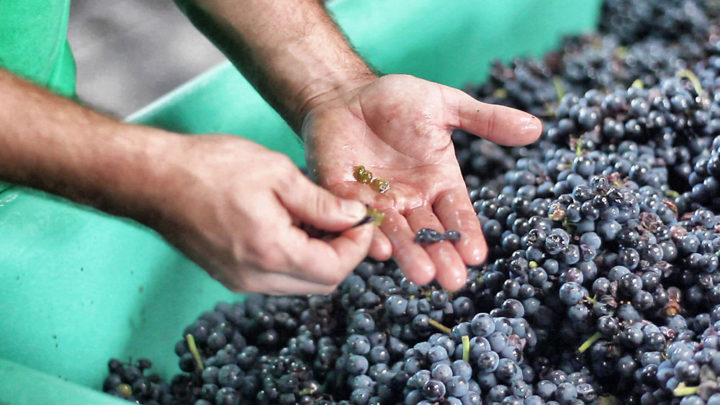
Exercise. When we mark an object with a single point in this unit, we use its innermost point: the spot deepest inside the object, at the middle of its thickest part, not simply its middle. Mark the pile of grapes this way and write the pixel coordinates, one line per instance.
(603, 279)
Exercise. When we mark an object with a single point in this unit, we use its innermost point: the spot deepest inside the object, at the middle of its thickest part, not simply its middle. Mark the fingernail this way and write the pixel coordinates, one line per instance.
(353, 209)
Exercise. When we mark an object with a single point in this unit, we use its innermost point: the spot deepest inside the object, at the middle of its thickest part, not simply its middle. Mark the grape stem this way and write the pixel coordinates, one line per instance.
(466, 348)
(500, 93)
(608, 400)
(559, 89)
(683, 390)
(638, 83)
(578, 148)
(590, 300)
(194, 350)
(591, 340)
(442, 328)
(688, 74)
(621, 52)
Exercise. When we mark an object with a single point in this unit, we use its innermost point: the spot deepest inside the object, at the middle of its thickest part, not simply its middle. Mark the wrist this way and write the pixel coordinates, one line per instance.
(137, 180)
(322, 90)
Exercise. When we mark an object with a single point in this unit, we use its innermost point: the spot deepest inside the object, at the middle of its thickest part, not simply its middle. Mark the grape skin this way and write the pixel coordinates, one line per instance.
(602, 238)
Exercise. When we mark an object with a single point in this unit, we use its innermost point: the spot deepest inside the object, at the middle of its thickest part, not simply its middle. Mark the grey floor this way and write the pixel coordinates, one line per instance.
(130, 52)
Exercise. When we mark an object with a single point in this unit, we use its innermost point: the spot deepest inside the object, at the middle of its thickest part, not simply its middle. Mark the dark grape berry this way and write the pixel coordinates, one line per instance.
(601, 282)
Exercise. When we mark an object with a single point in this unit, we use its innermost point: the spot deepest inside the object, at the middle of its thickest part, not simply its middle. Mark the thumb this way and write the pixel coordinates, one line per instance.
(496, 123)
(313, 205)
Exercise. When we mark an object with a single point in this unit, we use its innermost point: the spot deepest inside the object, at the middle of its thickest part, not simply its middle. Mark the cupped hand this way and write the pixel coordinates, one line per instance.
(398, 127)
(239, 211)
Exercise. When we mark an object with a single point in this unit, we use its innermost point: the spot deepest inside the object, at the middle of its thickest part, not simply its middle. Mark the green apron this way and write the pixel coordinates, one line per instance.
(33, 43)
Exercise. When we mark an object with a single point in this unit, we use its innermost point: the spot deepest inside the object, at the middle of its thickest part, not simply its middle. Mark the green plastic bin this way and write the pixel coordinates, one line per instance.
(78, 286)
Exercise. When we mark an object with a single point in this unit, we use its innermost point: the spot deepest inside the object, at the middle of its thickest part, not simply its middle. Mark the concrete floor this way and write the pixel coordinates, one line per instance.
(130, 52)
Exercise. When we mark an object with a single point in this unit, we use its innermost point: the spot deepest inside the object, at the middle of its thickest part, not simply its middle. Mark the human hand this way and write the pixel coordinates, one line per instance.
(236, 209)
(231, 205)
(399, 128)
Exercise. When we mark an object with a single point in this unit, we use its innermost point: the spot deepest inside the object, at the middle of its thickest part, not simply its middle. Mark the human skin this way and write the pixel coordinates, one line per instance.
(397, 126)
(231, 205)
(237, 208)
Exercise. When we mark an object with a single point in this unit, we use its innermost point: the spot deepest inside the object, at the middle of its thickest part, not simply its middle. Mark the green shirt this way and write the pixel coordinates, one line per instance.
(33, 43)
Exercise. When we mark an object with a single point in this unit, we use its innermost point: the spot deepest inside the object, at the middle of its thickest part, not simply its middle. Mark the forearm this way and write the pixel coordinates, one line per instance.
(290, 50)
(50, 143)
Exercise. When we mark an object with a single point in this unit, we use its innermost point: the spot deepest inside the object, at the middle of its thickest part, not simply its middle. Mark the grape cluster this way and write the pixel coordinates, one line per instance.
(609, 61)
(668, 19)
(129, 381)
(704, 179)
(602, 283)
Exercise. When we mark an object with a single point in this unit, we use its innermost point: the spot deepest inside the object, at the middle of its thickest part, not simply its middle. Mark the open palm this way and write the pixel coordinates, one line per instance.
(399, 128)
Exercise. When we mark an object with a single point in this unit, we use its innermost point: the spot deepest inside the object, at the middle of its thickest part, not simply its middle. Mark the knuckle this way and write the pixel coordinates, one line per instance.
(238, 253)
(240, 283)
(284, 163)
(326, 203)
(252, 284)
(491, 122)
(335, 278)
(328, 289)
(285, 169)
(269, 257)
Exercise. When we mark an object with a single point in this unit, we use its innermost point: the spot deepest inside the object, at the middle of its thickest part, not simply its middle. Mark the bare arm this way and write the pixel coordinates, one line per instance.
(397, 126)
(290, 50)
(237, 224)
(50, 143)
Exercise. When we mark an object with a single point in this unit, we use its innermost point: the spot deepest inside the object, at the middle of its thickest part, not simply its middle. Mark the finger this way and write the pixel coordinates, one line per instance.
(380, 247)
(352, 247)
(327, 262)
(257, 281)
(411, 257)
(362, 192)
(451, 272)
(455, 211)
(499, 124)
(313, 205)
